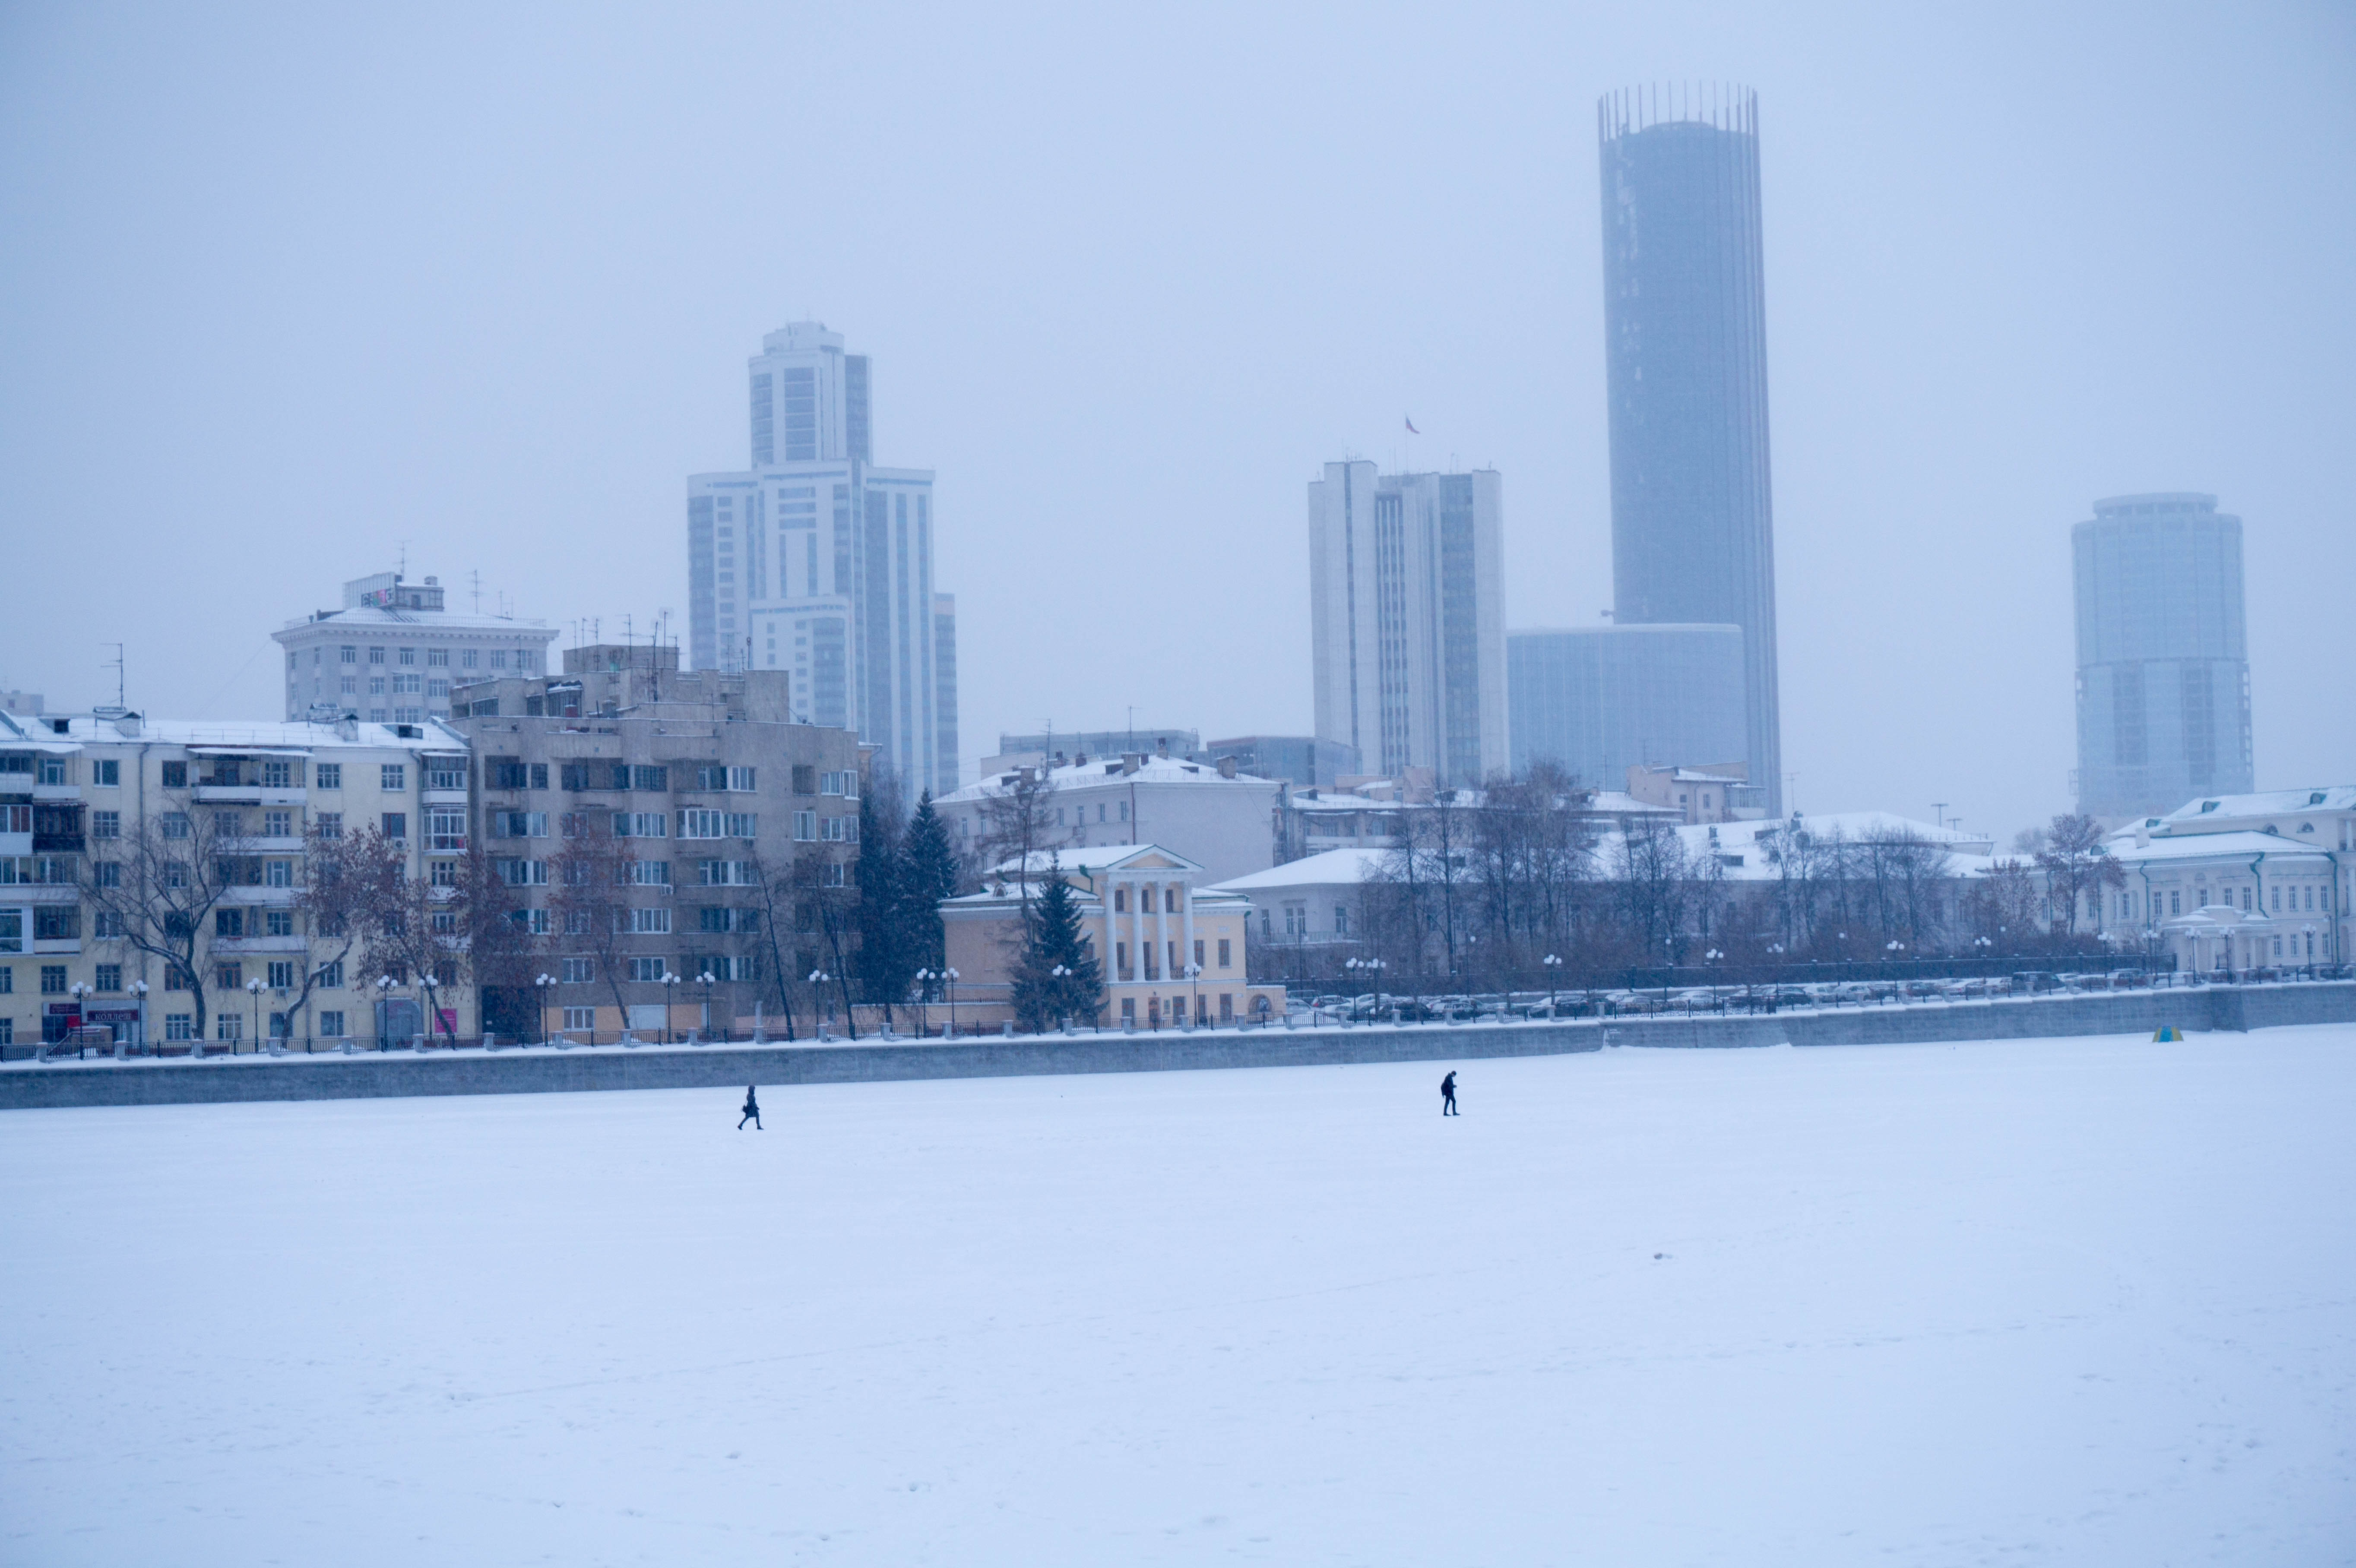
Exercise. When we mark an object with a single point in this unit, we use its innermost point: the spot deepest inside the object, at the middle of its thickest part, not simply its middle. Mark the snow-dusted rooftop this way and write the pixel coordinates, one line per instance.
(83, 729)
(2213, 846)
(1334, 867)
(2267, 803)
(1108, 770)
(424, 620)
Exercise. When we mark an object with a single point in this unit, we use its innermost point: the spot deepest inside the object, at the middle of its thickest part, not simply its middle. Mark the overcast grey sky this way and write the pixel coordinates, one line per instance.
(284, 288)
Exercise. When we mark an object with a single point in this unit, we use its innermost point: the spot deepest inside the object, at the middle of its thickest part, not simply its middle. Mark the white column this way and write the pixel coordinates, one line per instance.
(1136, 931)
(1162, 925)
(1186, 894)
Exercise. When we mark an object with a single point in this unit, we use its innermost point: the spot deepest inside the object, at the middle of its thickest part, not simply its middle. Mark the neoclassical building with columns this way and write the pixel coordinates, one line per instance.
(1171, 950)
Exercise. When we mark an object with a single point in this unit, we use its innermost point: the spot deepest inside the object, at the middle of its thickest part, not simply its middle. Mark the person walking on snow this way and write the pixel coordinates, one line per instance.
(1448, 1096)
(751, 1111)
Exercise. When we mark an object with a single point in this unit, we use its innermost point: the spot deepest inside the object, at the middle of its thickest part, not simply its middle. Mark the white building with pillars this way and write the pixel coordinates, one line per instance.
(1171, 949)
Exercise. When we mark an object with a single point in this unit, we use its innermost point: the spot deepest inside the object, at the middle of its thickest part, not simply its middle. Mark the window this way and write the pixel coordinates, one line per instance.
(646, 968)
(740, 780)
(437, 658)
(408, 684)
(329, 823)
(806, 826)
(645, 778)
(2175, 901)
(1124, 810)
(105, 924)
(644, 921)
(106, 774)
(805, 779)
(506, 772)
(53, 771)
(106, 825)
(641, 824)
(573, 824)
(278, 775)
(467, 658)
(278, 874)
(348, 653)
(229, 977)
(839, 829)
(376, 656)
(649, 873)
(741, 823)
(228, 1028)
(282, 973)
(523, 873)
(1225, 962)
(518, 825)
(180, 1026)
(442, 775)
(229, 824)
(392, 777)
(331, 1024)
(2277, 901)
(278, 923)
(580, 971)
(717, 919)
(409, 655)
(229, 923)
(577, 1017)
(107, 978)
(534, 921)
(702, 824)
(1198, 952)
(396, 824)
(53, 922)
(331, 978)
(176, 776)
(1341, 920)
(726, 874)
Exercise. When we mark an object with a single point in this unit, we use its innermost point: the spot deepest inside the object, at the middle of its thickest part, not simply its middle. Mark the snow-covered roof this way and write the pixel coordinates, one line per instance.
(1103, 770)
(2240, 846)
(244, 736)
(1097, 857)
(1850, 824)
(1334, 867)
(2267, 803)
(1619, 803)
(375, 616)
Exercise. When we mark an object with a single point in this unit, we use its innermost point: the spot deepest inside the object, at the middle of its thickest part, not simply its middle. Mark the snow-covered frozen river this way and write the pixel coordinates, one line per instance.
(2083, 1301)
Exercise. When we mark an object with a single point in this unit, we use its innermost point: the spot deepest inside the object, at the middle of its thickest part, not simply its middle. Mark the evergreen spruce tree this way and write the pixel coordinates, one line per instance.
(1042, 998)
(887, 964)
(930, 871)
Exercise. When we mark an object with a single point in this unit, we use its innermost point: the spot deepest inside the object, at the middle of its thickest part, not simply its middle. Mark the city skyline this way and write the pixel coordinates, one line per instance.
(503, 333)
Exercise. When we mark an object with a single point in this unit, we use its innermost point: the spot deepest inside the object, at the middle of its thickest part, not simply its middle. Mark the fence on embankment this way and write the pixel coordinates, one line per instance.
(543, 1070)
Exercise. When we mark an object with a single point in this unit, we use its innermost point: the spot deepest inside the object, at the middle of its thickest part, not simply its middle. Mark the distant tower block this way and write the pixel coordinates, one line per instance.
(1693, 538)
(2163, 666)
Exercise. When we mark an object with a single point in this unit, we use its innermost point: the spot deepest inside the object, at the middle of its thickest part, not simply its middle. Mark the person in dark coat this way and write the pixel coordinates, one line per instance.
(1448, 1096)
(751, 1111)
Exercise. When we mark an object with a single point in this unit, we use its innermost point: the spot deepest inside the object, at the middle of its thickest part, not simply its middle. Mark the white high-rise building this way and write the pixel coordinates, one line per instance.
(1407, 614)
(817, 562)
(392, 652)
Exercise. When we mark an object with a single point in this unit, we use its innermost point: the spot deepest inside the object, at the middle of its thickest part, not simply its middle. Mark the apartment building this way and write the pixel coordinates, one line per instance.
(393, 651)
(657, 825)
(88, 800)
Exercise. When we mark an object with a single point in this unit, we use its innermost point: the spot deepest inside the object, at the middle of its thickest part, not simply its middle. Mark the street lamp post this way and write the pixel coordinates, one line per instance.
(138, 989)
(1194, 978)
(79, 992)
(543, 985)
(1553, 974)
(429, 990)
(1373, 969)
(383, 995)
(1711, 958)
(253, 989)
(1060, 973)
(671, 990)
(706, 980)
(817, 979)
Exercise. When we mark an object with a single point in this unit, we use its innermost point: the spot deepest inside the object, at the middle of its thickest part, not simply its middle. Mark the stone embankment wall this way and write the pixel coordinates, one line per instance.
(541, 1070)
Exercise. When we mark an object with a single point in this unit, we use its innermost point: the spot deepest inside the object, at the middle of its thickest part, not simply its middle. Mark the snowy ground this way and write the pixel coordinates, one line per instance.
(2084, 1301)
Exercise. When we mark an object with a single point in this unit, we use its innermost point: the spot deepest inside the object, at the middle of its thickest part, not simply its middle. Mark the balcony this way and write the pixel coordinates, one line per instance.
(444, 797)
(208, 791)
(59, 844)
(279, 897)
(232, 946)
(258, 843)
(57, 792)
(445, 843)
(16, 844)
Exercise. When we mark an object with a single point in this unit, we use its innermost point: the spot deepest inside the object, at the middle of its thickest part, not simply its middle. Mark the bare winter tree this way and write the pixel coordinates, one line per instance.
(418, 932)
(160, 888)
(1018, 821)
(592, 873)
(779, 899)
(347, 879)
(1653, 877)
(2076, 865)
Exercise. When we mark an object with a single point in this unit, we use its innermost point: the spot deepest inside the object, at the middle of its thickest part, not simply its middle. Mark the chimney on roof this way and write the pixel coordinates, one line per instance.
(1162, 747)
(1130, 762)
(1226, 767)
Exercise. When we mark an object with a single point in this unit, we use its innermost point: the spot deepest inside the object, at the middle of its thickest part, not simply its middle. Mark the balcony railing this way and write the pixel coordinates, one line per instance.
(445, 843)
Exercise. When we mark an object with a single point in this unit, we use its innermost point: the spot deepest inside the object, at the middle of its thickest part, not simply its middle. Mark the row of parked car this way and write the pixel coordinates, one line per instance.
(1372, 1007)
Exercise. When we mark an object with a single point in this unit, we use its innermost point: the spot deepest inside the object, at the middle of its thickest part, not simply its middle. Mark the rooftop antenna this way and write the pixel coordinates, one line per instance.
(402, 569)
(117, 665)
(475, 577)
(1940, 806)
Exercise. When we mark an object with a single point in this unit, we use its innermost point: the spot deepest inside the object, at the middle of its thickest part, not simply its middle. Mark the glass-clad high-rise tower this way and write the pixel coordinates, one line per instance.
(2163, 669)
(1693, 535)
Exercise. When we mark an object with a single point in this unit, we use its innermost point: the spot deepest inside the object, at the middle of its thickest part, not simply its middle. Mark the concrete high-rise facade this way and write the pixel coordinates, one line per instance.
(1598, 701)
(1408, 618)
(818, 561)
(1685, 356)
(2163, 665)
(395, 649)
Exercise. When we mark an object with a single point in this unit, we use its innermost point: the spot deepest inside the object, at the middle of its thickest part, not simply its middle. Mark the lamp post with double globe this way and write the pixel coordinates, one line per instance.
(138, 990)
(671, 991)
(1553, 974)
(429, 991)
(544, 984)
(253, 989)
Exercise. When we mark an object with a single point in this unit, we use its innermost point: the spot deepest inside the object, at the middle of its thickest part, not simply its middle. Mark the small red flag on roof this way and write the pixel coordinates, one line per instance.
(1410, 426)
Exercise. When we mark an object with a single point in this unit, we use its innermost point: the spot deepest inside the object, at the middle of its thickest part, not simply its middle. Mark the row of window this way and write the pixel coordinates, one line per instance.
(436, 658)
(1154, 958)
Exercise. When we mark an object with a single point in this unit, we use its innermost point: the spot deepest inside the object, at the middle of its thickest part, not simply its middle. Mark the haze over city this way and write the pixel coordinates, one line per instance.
(296, 296)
